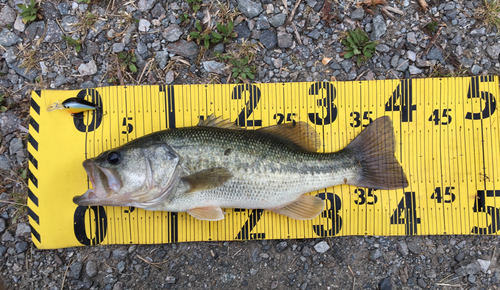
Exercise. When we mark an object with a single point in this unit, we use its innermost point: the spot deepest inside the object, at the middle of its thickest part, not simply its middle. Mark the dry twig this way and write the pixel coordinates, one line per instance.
(293, 11)
(297, 35)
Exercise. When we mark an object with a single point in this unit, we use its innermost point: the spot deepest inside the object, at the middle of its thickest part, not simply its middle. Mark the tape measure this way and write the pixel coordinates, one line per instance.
(447, 137)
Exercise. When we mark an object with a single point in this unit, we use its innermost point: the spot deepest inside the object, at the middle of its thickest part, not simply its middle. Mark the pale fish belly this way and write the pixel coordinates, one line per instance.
(264, 190)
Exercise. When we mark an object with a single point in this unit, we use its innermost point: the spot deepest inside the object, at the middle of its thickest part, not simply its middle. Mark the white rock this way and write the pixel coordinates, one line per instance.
(322, 247)
(74, 5)
(44, 68)
(484, 265)
(170, 77)
(144, 25)
(87, 69)
(414, 70)
(19, 24)
(411, 55)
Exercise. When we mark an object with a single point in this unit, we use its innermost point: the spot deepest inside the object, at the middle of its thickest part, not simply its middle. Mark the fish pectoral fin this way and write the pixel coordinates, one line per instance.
(300, 134)
(208, 213)
(207, 179)
(304, 208)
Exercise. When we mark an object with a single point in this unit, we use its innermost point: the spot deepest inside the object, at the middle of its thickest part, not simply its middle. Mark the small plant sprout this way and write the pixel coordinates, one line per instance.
(195, 4)
(184, 17)
(241, 70)
(358, 44)
(129, 60)
(73, 42)
(29, 11)
(201, 35)
(2, 107)
(490, 14)
(226, 33)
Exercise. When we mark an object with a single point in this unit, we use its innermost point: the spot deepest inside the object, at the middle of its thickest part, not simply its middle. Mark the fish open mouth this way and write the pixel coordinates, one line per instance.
(104, 184)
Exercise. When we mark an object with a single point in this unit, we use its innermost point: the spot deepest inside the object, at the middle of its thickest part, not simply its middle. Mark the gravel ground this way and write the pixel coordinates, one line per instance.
(305, 47)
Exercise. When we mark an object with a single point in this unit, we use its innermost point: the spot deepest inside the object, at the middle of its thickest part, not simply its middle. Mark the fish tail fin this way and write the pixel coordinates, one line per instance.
(374, 149)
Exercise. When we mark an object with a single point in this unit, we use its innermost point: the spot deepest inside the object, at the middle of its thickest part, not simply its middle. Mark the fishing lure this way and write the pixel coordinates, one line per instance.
(73, 105)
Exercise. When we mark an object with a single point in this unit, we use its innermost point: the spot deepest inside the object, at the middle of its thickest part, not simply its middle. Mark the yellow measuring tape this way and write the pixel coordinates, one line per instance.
(447, 137)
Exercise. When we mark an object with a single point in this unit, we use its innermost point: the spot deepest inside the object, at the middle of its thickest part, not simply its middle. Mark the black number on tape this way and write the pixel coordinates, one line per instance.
(332, 213)
(357, 119)
(406, 214)
(493, 212)
(447, 197)
(281, 117)
(250, 224)
(326, 102)
(253, 101)
(490, 102)
(402, 95)
(365, 197)
(128, 127)
(436, 117)
(96, 114)
(98, 225)
(169, 105)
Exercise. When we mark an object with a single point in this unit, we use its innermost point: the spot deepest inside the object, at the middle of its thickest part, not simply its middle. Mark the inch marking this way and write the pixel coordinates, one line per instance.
(446, 119)
(99, 224)
(403, 93)
(250, 224)
(253, 101)
(333, 202)
(490, 101)
(362, 199)
(406, 214)
(447, 193)
(357, 121)
(494, 213)
(326, 103)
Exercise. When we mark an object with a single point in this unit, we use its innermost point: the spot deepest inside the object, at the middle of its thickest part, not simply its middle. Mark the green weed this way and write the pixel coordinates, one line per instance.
(241, 70)
(73, 42)
(358, 44)
(128, 60)
(29, 11)
(2, 107)
(195, 4)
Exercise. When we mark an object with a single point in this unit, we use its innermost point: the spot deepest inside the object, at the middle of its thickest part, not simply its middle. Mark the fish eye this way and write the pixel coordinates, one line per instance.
(114, 157)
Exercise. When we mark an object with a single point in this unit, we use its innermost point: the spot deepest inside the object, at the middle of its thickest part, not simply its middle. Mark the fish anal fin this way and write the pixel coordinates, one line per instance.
(301, 134)
(304, 208)
(208, 213)
(207, 179)
(219, 122)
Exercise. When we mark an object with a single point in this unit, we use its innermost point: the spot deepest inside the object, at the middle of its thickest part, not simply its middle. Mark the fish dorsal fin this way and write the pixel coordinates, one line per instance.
(298, 133)
(207, 179)
(208, 213)
(304, 208)
(212, 121)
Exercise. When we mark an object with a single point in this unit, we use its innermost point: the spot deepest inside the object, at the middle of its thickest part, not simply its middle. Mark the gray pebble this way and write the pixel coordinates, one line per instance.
(170, 280)
(346, 65)
(379, 27)
(435, 54)
(91, 268)
(53, 33)
(214, 67)
(314, 34)
(306, 251)
(280, 247)
(118, 286)
(7, 16)
(478, 32)
(414, 70)
(285, 40)
(385, 284)
(158, 10)
(75, 270)
(8, 38)
(321, 247)
(183, 48)
(383, 47)
(415, 248)
(2, 250)
(412, 38)
(456, 40)
(431, 274)
(161, 58)
(249, 8)
(118, 47)
(121, 266)
(87, 69)
(467, 268)
(476, 69)
(395, 61)
(21, 247)
(120, 253)
(172, 33)
(460, 257)
(169, 78)
(403, 65)
(255, 256)
(145, 5)
(23, 230)
(63, 8)
(2, 225)
(262, 23)
(421, 283)
(375, 254)
(4, 165)
(15, 145)
(358, 14)
(402, 248)
(109, 279)
(268, 39)
(219, 48)
(7, 237)
(493, 51)
(277, 20)
(242, 31)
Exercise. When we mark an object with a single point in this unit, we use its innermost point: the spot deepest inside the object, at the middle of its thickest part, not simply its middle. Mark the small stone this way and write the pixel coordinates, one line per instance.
(121, 266)
(274, 284)
(385, 284)
(383, 47)
(2, 226)
(379, 27)
(421, 283)
(91, 268)
(280, 247)
(144, 25)
(278, 63)
(375, 254)
(493, 51)
(460, 257)
(411, 55)
(8, 38)
(169, 78)
(403, 65)
(268, 39)
(183, 48)
(253, 271)
(161, 57)
(285, 40)
(262, 23)
(109, 279)
(170, 280)
(255, 256)
(483, 264)
(23, 230)
(219, 48)
(431, 274)
(145, 5)
(21, 247)
(172, 33)
(87, 69)
(19, 24)
(118, 47)
(75, 270)
(467, 268)
(7, 237)
(358, 14)
(54, 33)
(9, 122)
(63, 8)
(412, 38)
(395, 60)
(142, 49)
(346, 65)
(435, 54)
(120, 253)
(314, 19)
(15, 145)
(214, 67)
(44, 68)
(415, 248)
(314, 34)
(118, 286)
(321, 247)
(414, 70)
(4, 165)
(306, 251)
(402, 246)
(158, 10)
(478, 32)
(249, 8)
(476, 69)
(7, 16)
(456, 40)
(242, 31)
(277, 20)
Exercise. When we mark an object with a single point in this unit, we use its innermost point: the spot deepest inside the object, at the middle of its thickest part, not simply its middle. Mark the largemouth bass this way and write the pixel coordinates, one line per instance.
(218, 164)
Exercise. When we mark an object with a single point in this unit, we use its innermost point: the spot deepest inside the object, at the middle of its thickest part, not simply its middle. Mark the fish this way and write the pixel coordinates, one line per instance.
(73, 105)
(217, 164)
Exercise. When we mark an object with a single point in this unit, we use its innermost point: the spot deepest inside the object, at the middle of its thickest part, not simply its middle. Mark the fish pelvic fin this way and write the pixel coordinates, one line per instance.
(304, 208)
(374, 149)
(207, 179)
(300, 134)
(218, 122)
(208, 213)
